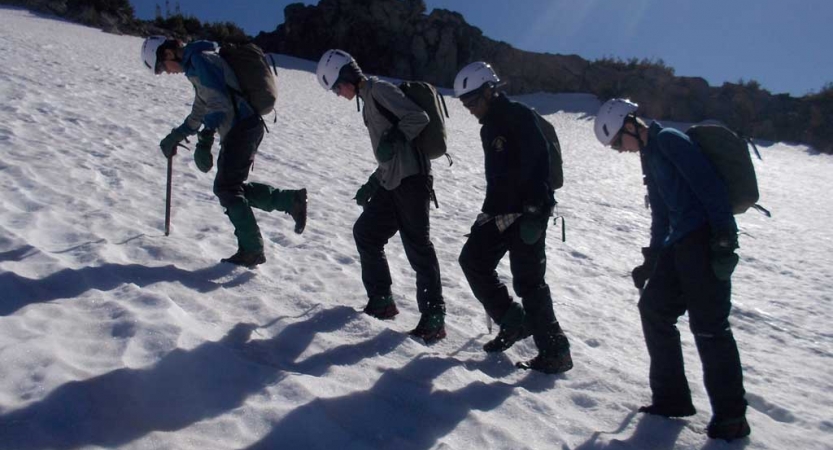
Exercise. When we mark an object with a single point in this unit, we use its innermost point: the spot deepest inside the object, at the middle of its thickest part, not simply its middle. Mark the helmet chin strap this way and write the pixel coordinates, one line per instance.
(357, 85)
(639, 142)
(635, 135)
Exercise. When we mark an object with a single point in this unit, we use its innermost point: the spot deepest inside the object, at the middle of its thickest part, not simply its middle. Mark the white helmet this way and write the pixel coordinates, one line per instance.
(149, 48)
(471, 77)
(611, 117)
(329, 66)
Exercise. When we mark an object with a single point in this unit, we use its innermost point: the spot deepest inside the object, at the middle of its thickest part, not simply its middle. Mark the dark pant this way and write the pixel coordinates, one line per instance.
(406, 210)
(237, 155)
(683, 280)
(481, 254)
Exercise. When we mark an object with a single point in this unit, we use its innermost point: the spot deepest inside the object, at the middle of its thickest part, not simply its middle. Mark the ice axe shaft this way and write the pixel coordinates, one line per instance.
(168, 190)
(168, 198)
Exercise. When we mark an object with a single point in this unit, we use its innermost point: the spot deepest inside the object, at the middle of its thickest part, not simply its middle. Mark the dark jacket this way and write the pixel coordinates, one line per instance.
(517, 158)
(684, 189)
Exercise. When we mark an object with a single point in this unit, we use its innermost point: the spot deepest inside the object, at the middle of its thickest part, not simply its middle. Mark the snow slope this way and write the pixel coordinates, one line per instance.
(115, 336)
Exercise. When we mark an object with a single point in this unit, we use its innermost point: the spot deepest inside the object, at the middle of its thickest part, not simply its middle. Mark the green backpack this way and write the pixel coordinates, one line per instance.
(556, 170)
(431, 141)
(254, 75)
(729, 153)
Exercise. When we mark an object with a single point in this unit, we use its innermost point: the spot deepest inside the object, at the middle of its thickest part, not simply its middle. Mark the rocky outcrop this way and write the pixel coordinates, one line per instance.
(397, 38)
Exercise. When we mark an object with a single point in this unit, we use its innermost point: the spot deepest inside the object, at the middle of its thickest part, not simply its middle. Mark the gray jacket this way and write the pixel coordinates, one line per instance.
(406, 160)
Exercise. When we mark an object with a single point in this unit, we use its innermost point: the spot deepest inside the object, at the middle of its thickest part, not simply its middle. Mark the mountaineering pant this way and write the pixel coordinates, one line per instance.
(406, 210)
(482, 252)
(683, 280)
(237, 154)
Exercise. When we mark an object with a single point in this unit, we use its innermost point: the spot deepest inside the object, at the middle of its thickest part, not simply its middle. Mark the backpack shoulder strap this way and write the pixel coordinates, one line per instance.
(391, 117)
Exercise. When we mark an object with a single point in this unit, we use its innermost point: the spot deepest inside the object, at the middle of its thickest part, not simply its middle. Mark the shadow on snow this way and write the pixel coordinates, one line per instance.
(19, 291)
(655, 433)
(402, 410)
(183, 388)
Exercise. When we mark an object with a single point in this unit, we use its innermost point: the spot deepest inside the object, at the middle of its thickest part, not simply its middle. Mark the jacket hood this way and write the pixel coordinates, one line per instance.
(197, 47)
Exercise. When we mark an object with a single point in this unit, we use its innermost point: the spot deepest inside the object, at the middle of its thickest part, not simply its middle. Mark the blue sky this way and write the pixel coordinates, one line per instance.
(784, 45)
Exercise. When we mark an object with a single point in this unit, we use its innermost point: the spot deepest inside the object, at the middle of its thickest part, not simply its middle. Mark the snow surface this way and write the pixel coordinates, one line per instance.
(115, 336)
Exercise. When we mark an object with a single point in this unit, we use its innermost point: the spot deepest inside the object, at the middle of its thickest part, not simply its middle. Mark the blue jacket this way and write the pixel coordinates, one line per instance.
(517, 159)
(684, 189)
(211, 77)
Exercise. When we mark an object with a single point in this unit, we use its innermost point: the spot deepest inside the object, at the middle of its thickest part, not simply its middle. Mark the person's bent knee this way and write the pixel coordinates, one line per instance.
(717, 330)
(647, 307)
(534, 292)
(227, 197)
(465, 259)
(360, 231)
(228, 201)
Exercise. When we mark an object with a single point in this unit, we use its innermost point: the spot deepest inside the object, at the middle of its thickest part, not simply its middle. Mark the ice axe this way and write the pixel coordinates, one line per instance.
(168, 196)
(168, 190)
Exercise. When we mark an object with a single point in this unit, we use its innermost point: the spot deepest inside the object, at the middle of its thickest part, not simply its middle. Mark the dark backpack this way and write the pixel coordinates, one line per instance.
(254, 75)
(431, 141)
(729, 153)
(556, 171)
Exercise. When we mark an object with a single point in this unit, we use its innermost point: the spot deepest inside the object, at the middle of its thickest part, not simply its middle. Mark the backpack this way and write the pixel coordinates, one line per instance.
(256, 80)
(729, 154)
(556, 169)
(431, 140)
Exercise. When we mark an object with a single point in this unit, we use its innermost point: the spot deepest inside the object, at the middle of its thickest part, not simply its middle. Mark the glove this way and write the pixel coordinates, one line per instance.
(202, 154)
(640, 274)
(169, 142)
(723, 258)
(367, 190)
(388, 144)
(533, 223)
